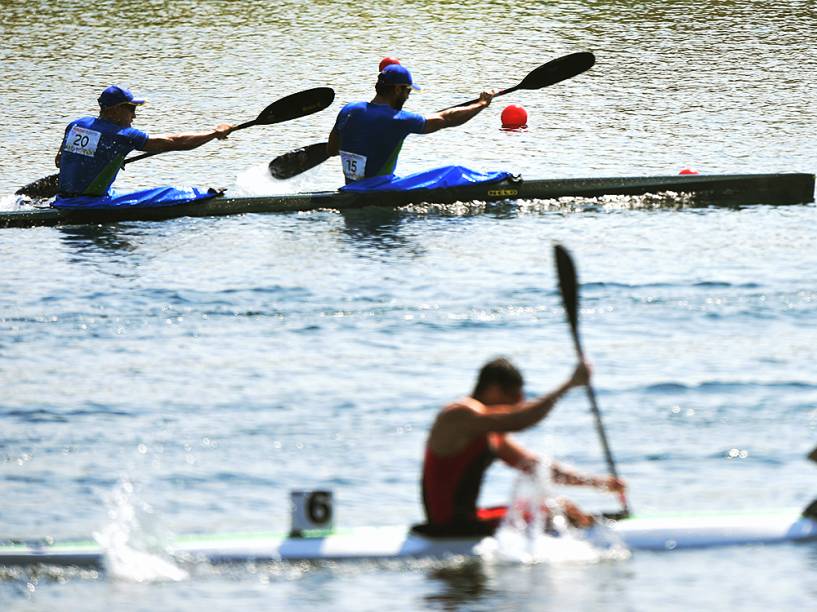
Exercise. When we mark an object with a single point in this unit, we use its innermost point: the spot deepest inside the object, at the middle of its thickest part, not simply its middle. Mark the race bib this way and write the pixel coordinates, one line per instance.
(354, 165)
(82, 141)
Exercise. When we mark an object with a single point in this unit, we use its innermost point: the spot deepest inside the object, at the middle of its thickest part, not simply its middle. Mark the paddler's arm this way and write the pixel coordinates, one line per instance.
(187, 140)
(333, 144)
(561, 474)
(58, 157)
(512, 453)
(472, 422)
(453, 117)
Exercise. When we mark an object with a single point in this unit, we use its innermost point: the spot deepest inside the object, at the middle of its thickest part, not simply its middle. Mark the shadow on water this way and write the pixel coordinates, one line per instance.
(459, 586)
(101, 246)
(87, 239)
(377, 227)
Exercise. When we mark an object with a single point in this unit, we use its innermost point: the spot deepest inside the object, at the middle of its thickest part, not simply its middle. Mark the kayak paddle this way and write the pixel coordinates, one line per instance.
(568, 285)
(287, 108)
(300, 160)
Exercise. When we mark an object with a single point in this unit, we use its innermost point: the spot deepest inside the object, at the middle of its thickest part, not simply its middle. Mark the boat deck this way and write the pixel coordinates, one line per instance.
(701, 190)
(661, 532)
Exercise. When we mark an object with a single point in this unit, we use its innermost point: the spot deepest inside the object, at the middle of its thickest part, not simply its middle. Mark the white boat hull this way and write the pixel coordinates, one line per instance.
(667, 532)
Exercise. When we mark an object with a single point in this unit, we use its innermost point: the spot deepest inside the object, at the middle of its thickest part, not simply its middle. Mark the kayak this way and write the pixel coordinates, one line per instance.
(660, 532)
(699, 190)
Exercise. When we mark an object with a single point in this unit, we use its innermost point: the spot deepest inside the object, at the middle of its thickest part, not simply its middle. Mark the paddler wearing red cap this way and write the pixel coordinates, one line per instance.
(368, 136)
(93, 148)
(469, 434)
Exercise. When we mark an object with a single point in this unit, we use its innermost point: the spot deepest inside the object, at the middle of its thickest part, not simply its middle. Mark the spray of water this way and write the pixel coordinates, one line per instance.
(132, 545)
(536, 529)
(10, 202)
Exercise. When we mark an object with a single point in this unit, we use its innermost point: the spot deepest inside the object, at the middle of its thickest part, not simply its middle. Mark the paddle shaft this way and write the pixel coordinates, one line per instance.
(308, 157)
(246, 124)
(290, 107)
(300, 160)
(568, 285)
(50, 183)
(554, 71)
(594, 407)
(475, 100)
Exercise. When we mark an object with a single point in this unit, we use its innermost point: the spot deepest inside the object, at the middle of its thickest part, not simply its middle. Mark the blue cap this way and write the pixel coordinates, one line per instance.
(395, 74)
(114, 95)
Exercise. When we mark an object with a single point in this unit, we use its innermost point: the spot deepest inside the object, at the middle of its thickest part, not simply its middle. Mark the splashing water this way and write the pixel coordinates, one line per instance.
(10, 202)
(133, 550)
(257, 181)
(536, 530)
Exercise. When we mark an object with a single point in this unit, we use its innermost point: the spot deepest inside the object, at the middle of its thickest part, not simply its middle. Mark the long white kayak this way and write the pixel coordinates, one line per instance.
(655, 532)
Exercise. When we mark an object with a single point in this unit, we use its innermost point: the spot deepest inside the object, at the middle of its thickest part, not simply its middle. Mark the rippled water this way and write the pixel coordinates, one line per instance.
(219, 363)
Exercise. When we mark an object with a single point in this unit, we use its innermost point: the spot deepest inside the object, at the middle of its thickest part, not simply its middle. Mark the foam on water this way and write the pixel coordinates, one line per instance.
(527, 536)
(257, 181)
(132, 546)
(10, 202)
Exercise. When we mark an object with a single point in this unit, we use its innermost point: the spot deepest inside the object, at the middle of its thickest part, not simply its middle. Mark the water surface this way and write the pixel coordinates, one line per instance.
(217, 364)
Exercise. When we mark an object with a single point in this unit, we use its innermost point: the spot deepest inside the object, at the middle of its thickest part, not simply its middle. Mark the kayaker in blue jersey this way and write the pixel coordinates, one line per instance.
(93, 148)
(468, 435)
(368, 136)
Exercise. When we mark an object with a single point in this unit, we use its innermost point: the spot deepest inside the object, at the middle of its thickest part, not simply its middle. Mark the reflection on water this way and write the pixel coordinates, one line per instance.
(377, 227)
(85, 239)
(458, 585)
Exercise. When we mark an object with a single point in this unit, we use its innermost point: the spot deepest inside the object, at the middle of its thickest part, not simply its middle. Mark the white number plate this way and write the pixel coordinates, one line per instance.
(354, 165)
(82, 141)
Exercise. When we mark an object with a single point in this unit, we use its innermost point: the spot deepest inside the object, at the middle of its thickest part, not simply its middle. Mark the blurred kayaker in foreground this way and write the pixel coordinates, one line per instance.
(469, 434)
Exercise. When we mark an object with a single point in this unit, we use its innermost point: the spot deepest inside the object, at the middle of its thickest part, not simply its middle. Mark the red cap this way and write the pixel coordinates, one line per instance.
(387, 61)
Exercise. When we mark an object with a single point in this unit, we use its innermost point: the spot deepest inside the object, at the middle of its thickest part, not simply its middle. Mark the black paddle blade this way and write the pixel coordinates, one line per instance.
(43, 188)
(560, 69)
(300, 160)
(568, 285)
(296, 105)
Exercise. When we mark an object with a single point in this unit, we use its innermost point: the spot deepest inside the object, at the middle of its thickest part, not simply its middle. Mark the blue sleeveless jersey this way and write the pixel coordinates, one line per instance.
(92, 153)
(371, 136)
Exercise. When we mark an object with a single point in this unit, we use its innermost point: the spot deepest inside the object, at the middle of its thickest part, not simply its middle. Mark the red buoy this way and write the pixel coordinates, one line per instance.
(387, 61)
(514, 117)
(688, 171)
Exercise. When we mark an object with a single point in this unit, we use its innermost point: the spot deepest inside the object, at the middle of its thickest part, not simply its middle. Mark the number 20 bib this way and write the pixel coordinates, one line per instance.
(82, 141)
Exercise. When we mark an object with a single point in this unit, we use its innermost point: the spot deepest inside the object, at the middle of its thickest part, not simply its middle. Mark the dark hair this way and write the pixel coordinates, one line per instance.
(499, 371)
(383, 89)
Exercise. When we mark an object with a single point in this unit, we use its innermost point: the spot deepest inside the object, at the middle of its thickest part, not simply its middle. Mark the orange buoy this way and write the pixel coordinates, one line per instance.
(514, 117)
(387, 61)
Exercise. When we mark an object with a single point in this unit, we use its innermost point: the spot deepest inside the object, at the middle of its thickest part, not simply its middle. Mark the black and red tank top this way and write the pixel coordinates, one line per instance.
(451, 484)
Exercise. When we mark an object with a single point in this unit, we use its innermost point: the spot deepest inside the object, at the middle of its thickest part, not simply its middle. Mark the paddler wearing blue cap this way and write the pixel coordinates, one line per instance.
(368, 136)
(93, 148)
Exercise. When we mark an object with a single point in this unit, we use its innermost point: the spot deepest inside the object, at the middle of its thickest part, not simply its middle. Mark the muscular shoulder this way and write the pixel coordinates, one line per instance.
(451, 430)
(353, 106)
(461, 409)
(415, 121)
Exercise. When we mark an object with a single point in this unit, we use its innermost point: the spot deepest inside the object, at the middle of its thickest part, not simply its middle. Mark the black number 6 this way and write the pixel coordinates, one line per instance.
(319, 507)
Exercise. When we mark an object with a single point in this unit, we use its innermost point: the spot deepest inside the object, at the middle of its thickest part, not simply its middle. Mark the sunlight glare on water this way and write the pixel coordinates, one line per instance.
(222, 362)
